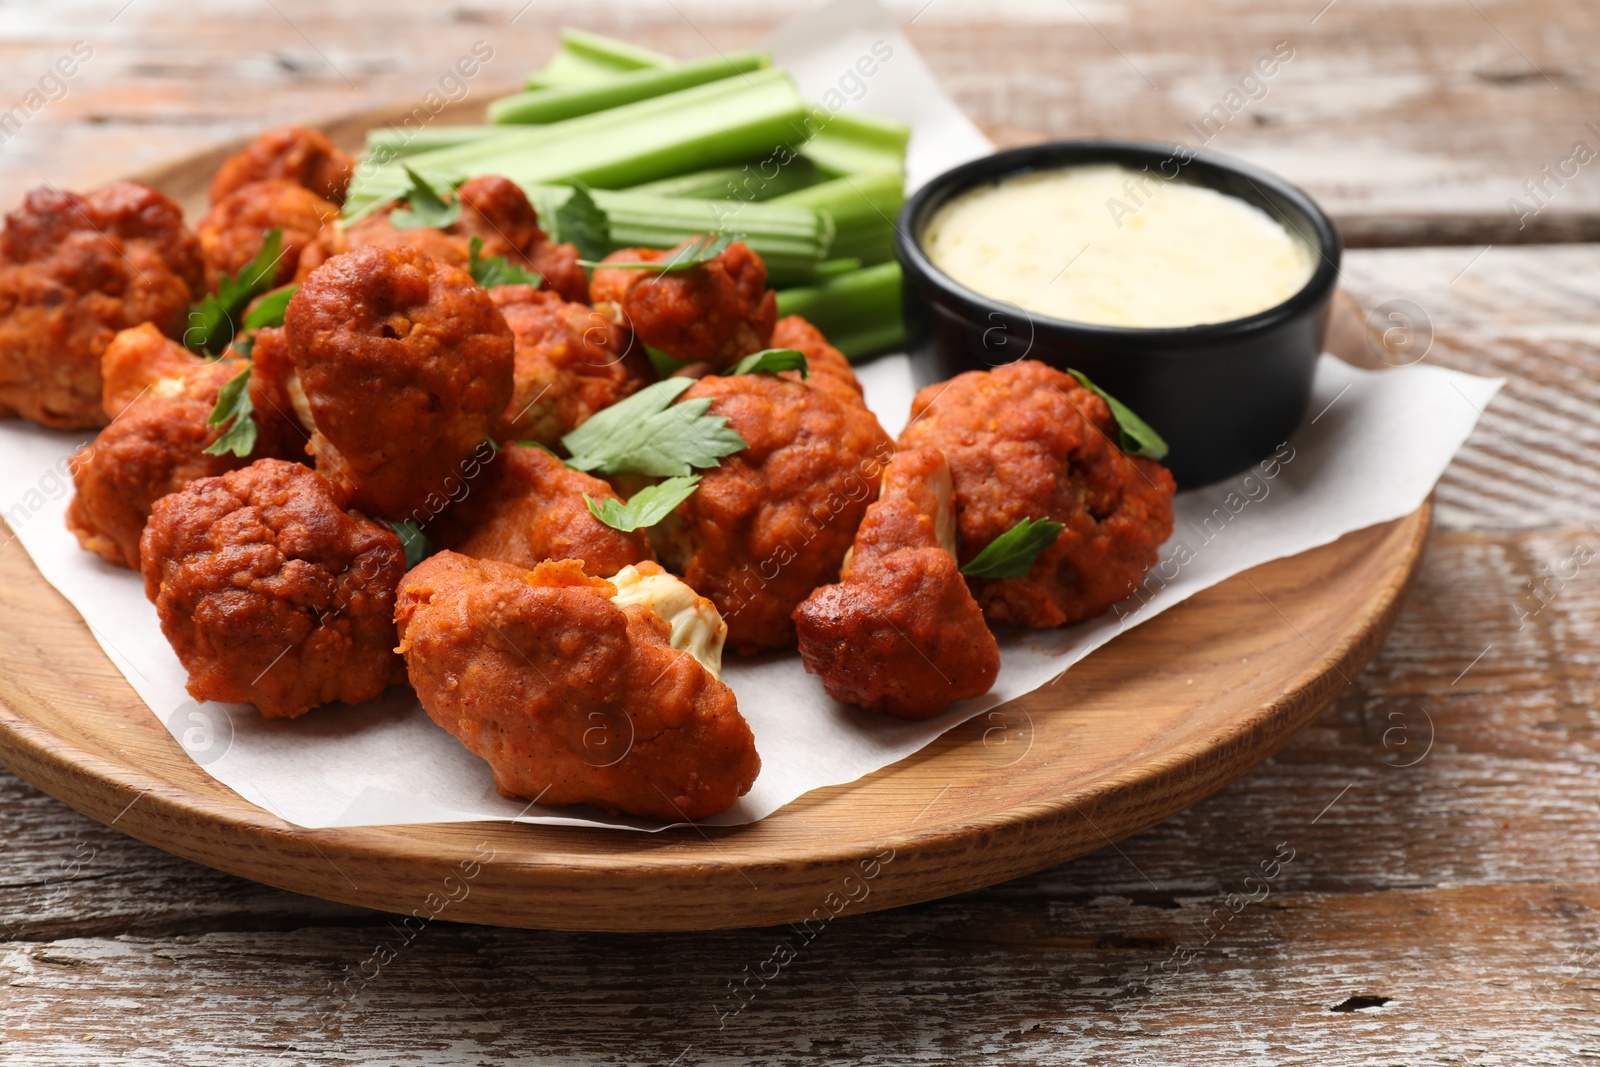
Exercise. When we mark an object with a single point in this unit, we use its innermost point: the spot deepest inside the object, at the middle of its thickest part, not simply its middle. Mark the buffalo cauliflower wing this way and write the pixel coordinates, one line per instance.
(571, 362)
(497, 212)
(294, 153)
(402, 367)
(900, 633)
(528, 508)
(716, 312)
(774, 521)
(1026, 441)
(570, 696)
(270, 592)
(235, 228)
(158, 398)
(74, 270)
(827, 367)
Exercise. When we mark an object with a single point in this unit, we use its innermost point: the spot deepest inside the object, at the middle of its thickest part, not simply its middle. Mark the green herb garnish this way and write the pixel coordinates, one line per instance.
(268, 312)
(234, 407)
(1011, 554)
(1135, 437)
(703, 249)
(425, 206)
(490, 271)
(213, 321)
(413, 540)
(646, 507)
(580, 221)
(772, 361)
(650, 435)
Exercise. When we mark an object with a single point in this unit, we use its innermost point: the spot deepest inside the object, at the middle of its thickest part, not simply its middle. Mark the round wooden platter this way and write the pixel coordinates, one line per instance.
(1159, 719)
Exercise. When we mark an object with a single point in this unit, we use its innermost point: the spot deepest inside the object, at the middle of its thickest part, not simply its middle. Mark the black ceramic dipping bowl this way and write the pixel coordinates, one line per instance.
(1224, 395)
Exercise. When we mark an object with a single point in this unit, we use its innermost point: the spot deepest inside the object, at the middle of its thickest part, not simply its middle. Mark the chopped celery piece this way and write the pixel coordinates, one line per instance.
(834, 268)
(569, 101)
(747, 182)
(853, 143)
(585, 58)
(709, 125)
(858, 313)
(863, 207)
(392, 142)
(791, 239)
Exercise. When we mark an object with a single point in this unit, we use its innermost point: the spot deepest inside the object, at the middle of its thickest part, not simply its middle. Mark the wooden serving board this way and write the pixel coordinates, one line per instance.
(1159, 719)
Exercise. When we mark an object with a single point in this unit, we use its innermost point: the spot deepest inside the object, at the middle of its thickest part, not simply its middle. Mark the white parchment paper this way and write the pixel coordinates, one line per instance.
(1371, 450)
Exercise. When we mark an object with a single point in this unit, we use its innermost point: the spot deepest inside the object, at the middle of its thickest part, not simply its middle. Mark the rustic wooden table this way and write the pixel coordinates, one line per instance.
(1442, 905)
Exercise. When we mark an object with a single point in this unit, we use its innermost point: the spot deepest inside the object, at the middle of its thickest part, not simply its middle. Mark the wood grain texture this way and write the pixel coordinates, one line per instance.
(1413, 123)
(1465, 882)
(986, 978)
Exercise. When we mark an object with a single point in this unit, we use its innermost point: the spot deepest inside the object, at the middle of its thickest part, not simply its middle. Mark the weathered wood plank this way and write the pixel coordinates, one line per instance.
(1414, 123)
(1527, 314)
(1468, 974)
(1461, 886)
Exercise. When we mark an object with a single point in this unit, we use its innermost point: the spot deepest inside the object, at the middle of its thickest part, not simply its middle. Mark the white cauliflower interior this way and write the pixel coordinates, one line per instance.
(697, 626)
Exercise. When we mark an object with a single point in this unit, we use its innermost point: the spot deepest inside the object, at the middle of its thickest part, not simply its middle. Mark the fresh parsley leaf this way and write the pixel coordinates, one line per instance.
(1011, 554)
(233, 406)
(413, 540)
(704, 249)
(773, 360)
(580, 221)
(1134, 435)
(490, 271)
(646, 507)
(269, 310)
(213, 321)
(425, 206)
(650, 435)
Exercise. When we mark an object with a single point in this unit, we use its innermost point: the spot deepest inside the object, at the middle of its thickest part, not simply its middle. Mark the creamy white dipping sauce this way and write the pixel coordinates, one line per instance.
(1106, 245)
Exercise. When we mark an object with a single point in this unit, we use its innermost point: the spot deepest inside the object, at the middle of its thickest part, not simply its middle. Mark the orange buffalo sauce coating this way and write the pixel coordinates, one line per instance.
(900, 633)
(1026, 441)
(569, 698)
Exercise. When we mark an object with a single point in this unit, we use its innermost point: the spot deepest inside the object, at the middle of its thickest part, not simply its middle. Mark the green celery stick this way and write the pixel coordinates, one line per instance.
(853, 143)
(755, 180)
(863, 206)
(586, 58)
(858, 313)
(556, 103)
(709, 125)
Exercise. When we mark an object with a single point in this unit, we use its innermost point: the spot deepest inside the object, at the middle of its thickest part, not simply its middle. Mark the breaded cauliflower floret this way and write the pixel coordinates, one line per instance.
(404, 366)
(74, 270)
(233, 231)
(900, 633)
(271, 593)
(527, 507)
(774, 521)
(1026, 441)
(717, 312)
(571, 362)
(828, 368)
(498, 213)
(158, 398)
(569, 697)
(305, 157)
